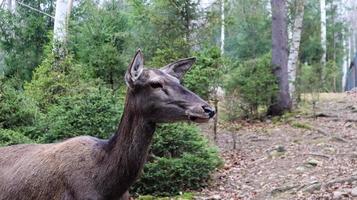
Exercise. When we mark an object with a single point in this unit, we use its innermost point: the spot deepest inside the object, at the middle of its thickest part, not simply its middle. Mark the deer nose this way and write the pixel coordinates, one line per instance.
(209, 111)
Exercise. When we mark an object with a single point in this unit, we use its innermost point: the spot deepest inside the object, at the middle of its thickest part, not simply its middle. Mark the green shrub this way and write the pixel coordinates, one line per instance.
(50, 82)
(182, 161)
(71, 102)
(202, 76)
(254, 84)
(99, 43)
(10, 137)
(92, 111)
(205, 73)
(173, 140)
(16, 110)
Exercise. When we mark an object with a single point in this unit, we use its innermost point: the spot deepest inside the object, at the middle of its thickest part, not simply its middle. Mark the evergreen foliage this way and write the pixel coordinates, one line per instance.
(254, 85)
(16, 109)
(181, 160)
(100, 43)
(72, 103)
(23, 38)
(10, 137)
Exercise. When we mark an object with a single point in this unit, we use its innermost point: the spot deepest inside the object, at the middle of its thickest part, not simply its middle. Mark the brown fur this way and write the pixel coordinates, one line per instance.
(89, 168)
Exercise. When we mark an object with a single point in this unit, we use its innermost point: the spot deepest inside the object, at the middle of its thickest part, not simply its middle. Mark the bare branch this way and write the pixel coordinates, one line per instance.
(34, 9)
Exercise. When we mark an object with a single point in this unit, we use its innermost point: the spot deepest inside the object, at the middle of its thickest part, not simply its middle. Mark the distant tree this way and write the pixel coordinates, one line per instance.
(165, 29)
(23, 36)
(102, 44)
(280, 57)
(323, 31)
(247, 30)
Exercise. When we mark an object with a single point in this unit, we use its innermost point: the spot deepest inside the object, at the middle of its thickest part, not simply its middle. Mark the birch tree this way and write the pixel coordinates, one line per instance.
(323, 31)
(222, 27)
(349, 15)
(280, 57)
(345, 64)
(294, 47)
(60, 31)
(11, 5)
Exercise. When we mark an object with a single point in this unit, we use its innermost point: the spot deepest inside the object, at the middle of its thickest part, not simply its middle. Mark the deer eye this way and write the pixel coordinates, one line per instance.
(156, 85)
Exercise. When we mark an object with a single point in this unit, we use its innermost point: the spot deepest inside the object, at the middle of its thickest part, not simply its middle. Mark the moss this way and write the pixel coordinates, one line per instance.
(301, 125)
(184, 196)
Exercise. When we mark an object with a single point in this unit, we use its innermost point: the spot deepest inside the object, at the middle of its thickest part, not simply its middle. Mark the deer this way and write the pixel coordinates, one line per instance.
(88, 168)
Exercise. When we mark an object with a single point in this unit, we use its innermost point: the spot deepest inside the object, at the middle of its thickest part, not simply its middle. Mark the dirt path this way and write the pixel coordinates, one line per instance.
(298, 157)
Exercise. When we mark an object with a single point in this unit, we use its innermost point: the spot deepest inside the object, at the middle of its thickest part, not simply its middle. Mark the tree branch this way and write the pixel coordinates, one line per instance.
(34, 9)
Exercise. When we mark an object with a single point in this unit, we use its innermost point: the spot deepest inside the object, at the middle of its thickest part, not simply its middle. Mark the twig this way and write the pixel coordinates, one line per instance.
(350, 120)
(283, 189)
(317, 155)
(341, 180)
(310, 187)
(339, 139)
(321, 131)
(34, 9)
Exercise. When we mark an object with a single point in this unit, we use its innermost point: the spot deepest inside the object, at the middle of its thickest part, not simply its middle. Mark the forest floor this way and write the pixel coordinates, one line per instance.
(296, 156)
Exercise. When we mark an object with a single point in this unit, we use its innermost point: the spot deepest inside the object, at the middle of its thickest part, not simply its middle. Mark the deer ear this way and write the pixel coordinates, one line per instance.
(179, 68)
(135, 68)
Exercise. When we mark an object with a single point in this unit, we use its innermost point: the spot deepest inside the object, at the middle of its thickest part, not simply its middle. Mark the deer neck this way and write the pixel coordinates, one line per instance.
(128, 148)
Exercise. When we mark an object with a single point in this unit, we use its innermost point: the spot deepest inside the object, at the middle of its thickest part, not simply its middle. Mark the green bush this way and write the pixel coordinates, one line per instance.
(206, 72)
(50, 82)
(254, 84)
(16, 110)
(173, 140)
(309, 79)
(92, 111)
(202, 76)
(10, 137)
(71, 102)
(182, 160)
(99, 43)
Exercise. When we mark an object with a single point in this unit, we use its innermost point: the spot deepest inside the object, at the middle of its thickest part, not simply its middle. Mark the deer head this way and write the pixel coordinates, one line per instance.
(159, 96)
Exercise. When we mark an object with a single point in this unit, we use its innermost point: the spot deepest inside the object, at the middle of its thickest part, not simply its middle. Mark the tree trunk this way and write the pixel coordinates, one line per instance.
(215, 122)
(333, 19)
(222, 27)
(280, 57)
(353, 44)
(10, 5)
(349, 48)
(345, 63)
(294, 48)
(323, 33)
(60, 31)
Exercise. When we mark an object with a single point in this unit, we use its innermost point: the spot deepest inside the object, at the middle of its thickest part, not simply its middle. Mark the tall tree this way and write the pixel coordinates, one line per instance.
(101, 43)
(280, 57)
(248, 26)
(323, 32)
(176, 27)
(60, 30)
(294, 47)
(222, 27)
(345, 64)
(11, 5)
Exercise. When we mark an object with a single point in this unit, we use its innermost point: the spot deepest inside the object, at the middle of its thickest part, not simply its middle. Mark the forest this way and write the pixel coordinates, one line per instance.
(281, 76)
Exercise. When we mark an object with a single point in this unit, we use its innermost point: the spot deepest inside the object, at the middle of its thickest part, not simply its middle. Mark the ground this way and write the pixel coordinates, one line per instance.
(297, 156)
